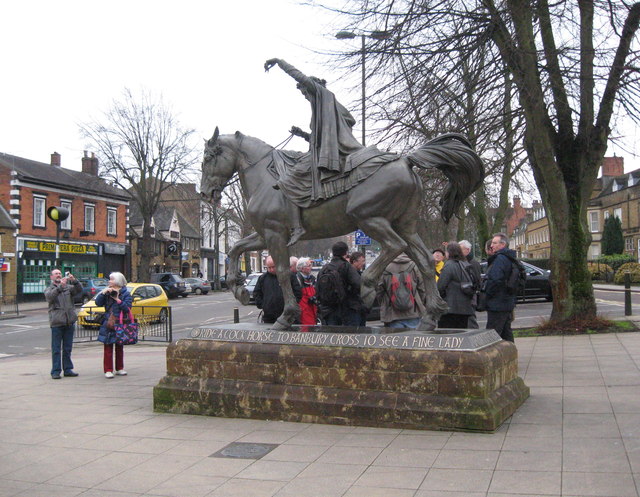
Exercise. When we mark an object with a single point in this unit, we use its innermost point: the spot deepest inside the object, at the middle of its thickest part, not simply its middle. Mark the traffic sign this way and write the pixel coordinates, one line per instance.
(362, 239)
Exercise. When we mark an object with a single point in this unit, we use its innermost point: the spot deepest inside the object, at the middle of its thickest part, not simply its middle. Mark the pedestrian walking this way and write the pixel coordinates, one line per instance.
(62, 318)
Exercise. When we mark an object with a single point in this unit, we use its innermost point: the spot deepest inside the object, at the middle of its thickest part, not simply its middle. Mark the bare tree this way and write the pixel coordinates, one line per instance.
(143, 149)
(573, 64)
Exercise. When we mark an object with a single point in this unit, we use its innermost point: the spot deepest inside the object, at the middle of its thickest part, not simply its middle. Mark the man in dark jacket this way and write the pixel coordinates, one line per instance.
(62, 317)
(500, 302)
(268, 294)
(347, 313)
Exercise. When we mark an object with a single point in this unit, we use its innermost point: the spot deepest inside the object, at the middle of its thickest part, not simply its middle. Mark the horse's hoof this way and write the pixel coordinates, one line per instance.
(280, 325)
(426, 324)
(242, 295)
(368, 295)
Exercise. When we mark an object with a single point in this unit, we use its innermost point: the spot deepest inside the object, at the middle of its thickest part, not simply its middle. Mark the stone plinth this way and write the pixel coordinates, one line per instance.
(449, 380)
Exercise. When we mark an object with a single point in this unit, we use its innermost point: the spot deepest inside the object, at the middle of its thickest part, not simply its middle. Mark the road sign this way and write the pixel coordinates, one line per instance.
(362, 239)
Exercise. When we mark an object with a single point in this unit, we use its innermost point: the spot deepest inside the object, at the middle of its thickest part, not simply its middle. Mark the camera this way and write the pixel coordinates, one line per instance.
(313, 300)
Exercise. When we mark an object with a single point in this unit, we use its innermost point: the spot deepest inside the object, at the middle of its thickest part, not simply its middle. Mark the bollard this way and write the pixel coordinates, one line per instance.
(236, 315)
(627, 294)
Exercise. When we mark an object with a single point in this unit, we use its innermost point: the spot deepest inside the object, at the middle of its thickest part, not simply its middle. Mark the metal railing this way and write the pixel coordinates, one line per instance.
(155, 324)
(9, 306)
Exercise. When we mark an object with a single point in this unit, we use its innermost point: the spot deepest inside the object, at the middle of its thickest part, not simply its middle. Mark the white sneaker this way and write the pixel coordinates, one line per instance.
(121, 372)
(108, 374)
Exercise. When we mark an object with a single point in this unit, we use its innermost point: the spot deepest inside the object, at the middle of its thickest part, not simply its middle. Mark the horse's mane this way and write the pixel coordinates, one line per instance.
(239, 136)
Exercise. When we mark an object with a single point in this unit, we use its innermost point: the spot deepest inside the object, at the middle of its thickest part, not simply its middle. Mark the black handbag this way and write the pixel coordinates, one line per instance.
(466, 283)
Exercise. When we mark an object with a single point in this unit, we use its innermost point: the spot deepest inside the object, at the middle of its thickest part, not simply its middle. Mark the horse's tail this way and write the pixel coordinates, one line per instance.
(452, 154)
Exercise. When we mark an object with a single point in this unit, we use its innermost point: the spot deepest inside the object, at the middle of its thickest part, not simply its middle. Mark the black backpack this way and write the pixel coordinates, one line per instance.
(401, 288)
(330, 289)
(517, 279)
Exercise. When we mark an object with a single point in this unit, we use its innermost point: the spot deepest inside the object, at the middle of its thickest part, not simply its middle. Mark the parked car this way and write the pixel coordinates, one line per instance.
(250, 285)
(173, 284)
(150, 304)
(91, 287)
(198, 285)
(538, 285)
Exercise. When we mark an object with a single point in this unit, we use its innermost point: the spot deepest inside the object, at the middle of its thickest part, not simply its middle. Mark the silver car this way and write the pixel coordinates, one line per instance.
(250, 285)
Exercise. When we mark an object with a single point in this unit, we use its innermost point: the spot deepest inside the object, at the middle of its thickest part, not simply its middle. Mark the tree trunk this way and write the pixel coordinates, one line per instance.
(570, 279)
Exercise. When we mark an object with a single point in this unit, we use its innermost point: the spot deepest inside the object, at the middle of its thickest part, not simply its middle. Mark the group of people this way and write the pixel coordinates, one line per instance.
(333, 298)
(115, 298)
(462, 284)
(349, 311)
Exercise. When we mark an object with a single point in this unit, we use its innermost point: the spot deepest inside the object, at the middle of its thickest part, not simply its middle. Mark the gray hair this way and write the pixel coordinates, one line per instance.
(293, 260)
(303, 262)
(503, 238)
(465, 243)
(119, 279)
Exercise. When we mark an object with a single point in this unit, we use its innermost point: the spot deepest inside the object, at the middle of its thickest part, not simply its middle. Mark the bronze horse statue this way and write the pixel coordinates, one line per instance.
(384, 205)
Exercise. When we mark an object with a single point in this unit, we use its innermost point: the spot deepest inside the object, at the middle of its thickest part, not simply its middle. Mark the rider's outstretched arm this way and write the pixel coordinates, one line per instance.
(291, 71)
(298, 132)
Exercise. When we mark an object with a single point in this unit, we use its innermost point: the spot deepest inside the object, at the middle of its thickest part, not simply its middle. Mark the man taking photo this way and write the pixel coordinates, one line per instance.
(62, 317)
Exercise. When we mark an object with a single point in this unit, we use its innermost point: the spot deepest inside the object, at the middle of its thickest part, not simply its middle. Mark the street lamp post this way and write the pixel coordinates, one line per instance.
(376, 35)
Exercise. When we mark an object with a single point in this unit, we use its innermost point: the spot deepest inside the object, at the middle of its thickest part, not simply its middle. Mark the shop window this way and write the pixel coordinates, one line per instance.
(35, 275)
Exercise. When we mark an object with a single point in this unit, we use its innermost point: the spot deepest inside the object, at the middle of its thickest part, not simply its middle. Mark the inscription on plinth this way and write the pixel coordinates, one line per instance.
(390, 338)
(448, 380)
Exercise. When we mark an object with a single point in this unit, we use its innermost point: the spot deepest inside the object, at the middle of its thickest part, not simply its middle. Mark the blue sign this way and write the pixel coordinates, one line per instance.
(362, 239)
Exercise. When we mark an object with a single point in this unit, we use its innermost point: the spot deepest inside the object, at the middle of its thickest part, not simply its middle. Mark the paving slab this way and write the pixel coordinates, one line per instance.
(578, 435)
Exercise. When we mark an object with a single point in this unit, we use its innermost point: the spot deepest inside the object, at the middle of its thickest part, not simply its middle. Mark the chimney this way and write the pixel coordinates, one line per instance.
(613, 166)
(90, 164)
(55, 159)
(516, 202)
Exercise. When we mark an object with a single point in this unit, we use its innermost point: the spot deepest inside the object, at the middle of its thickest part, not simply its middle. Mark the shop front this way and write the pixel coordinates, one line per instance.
(37, 258)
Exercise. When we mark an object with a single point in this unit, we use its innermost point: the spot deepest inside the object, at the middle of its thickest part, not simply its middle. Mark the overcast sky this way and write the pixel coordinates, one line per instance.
(63, 62)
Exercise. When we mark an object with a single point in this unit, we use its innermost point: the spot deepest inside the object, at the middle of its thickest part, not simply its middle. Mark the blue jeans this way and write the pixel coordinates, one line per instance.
(61, 342)
(342, 317)
(405, 323)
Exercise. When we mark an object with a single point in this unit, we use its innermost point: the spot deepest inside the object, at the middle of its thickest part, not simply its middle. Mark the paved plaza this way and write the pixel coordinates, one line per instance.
(577, 435)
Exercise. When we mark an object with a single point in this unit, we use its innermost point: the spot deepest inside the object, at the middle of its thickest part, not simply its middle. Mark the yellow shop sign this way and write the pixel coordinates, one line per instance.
(65, 248)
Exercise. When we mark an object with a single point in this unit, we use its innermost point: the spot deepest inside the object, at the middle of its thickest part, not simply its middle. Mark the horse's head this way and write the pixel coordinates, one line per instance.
(218, 166)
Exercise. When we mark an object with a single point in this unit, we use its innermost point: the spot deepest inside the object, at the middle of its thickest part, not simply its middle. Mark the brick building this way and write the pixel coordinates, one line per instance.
(616, 194)
(93, 239)
(8, 266)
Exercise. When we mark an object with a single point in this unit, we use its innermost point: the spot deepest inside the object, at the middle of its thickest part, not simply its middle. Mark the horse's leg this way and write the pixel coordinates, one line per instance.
(435, 305)
(392, 245)
(277, 245)
(252, 242)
